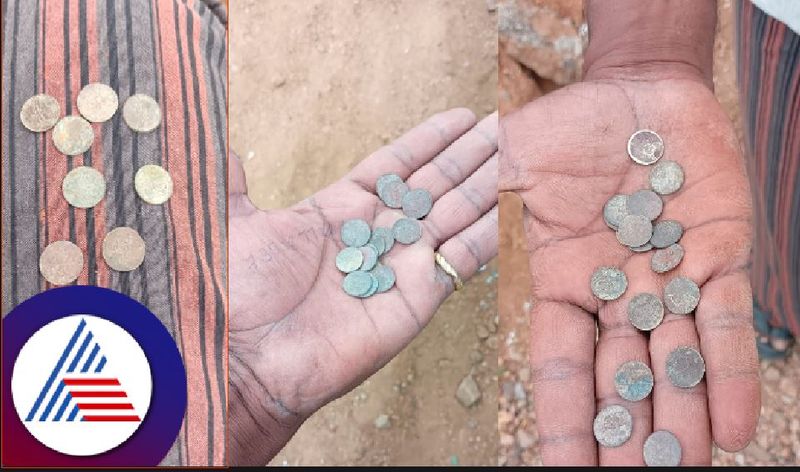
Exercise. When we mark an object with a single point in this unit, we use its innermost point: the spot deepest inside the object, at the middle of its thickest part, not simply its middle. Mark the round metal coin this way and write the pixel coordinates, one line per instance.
(40, 112)
(666, 233)
(608, 283)
(385, 276)
(383, 181)
(417, 203)
(615, 209)
(634, 381)
(370, 254)
(643, 248)
(349, 259)
(681, 295)
(153, 184)
(355, 233)
(358, 283)
(61, 262)
(645, 311)
(97, 102)
(662, 448)
(141, 113)
(83, 187)
(123, 249)
(373, 289)
(646, 203)
(407, 231)
(612, 426)
(666, 177)
(635, 231)
(645, 147)
(382, 239)
(73, 135)
(392, 194)
(664, 260)
(685, 367)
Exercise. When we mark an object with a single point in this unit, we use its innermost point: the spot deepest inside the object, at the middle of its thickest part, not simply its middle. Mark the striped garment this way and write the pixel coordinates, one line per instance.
(769, 82)
(174, 51)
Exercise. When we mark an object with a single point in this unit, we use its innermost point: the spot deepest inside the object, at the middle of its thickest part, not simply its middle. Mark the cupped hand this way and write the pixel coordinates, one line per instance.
(565, 155)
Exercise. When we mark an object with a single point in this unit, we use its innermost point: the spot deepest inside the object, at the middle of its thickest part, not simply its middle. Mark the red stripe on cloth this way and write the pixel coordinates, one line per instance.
(91, 382)
(98, 394)
(105, 406)
(111, 418)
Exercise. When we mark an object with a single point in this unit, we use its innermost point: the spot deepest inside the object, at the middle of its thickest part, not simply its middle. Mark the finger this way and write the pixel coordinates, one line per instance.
(415, 148)
(562, 362)
(237, 182)
(470, 249)
(453, 165)
(724, 320)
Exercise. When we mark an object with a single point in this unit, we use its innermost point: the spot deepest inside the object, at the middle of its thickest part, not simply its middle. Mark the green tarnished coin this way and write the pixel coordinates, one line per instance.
(123, 249)
(646, 203)
(141, 113)
(681, 296)
(685, 367)
(635, 231)
(666, 233)
(358, 283)
(153, 184)
(373, 289)
(634, 381)
(608, 283)
(645, 311)
(61, 262)
(83, 187)
(355, 233)
(383, 181)
(40, 113)
(97, 102)
(392, 194)
(385, 276)
(613, 426)
(407, 231)
(417, 203)
(370, 254)
(615, 209)
(664, 260)
(349, 259)
(383, 239)
(73, 135)
(645, 147)
(663, 449)
(666, 177)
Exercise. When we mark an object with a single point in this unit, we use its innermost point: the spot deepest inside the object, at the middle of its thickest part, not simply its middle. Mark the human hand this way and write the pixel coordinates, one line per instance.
(297, 341)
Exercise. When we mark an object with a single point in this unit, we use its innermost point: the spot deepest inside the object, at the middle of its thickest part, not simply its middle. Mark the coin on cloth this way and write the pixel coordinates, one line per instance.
(97, 102)
(83, 187)
(141, 113)
(61, 262)
(73, 135)
(153, 184)
(40, 112)
(123, 249)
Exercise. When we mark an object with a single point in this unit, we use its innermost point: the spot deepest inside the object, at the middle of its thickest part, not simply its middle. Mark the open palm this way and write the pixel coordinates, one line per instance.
(565, 155)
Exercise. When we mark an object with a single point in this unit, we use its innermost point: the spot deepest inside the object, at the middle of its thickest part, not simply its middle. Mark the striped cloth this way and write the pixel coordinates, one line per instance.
(174, 51)
(769, 82)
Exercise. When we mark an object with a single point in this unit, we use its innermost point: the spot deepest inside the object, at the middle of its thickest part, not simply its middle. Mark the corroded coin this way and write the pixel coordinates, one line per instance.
(664, 260)
(666, 233)
(681, 295)
(417, 203)
(612, 426)
(382, 239)
(97, 102)
(666, 177)
(407, 231)
(645, 147)
(358, 283)
(383, 181)
(141, 113)
(370, 254)
(646, 203)
(355, 233)
(373, 288)
(40, 112)
(153, 184)
(642, 248)
(608, 283)
(615, 209)
(61, 262)
(662, 448)
(685, 367)
(73, 135)
(83, 187)
(349, 259)
(385, 276)
(645, 311)
(392, 194)
(635, 230)
(123, 249)
(634, 381)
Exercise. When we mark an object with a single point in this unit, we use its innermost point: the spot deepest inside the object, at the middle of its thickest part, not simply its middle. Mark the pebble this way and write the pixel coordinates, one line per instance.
(468, 392)
(382, 421)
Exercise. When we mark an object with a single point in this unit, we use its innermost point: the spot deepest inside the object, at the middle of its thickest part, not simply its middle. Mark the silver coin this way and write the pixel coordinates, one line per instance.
(645, 147)
(370, 254)
(643, 248)
(608, 283)
(383, 239)
(383, 181)
(635, 231)
(97, 102)
(407, 231)
(355, 233)
(662, 448)
(613, 426)
(685, 367)
(417, 203)
(666, 177)
(681, 296)
(392, 194)
(634, 381)
(83, 187)
(73, 135)
(123, 249)
(664, 260)
(40, 112)
(615, 209)
(61, 262)
(646, 203)
(141, 113)
(153, 184)
(385, 276)
(358, 283)
(645, 311)
(349, 259)
(666, 233)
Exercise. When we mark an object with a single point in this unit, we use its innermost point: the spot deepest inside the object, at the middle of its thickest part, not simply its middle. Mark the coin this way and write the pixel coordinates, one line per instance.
(385, 276)
(73, 135)
(97, 102)
(635, 231)
(645, 147)
(40, 112)
(349, 259)
(370, 254)
(83, 187)
(355, 233)
(634, 381)
(681, 295)
(383, 181)
(373, 288)
(358, 283)
(612, 426)
(417, 203)
(153, 184)
(664, 260)
(666, 177)
(392, 194)
(646, 203)
(407, 231)
(608, 283)
(123, 249)
(645, 311)
(662, 448)
(643, 248)
(685, 367)
(61, 262)
(382, 239)
(615, 209)
(666, 233)
(141, 113)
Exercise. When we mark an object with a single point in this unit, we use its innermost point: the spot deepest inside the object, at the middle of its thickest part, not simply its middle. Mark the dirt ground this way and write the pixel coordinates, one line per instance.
(315, 87)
